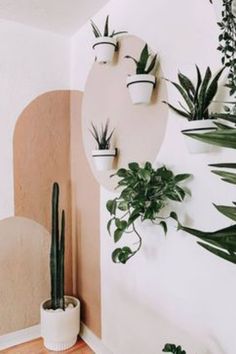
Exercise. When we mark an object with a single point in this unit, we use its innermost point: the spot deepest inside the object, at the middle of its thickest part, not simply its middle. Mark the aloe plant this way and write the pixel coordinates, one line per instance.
(146, 62)
(103, 138)
(106, 32)
(172, 348)
(197, 97)
(57, 253)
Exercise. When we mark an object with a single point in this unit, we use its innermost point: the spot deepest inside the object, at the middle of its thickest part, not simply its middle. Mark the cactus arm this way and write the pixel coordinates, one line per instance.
(54, 248)
(61, 263)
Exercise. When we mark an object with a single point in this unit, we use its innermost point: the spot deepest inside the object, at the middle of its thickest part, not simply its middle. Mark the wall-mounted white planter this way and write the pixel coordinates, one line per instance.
(104, 48)
(197, 126)
(103, 159)
(59, 328)
(141, 88)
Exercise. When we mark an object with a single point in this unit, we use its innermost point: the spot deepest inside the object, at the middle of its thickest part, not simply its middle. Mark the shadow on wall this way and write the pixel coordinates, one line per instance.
(24, 272)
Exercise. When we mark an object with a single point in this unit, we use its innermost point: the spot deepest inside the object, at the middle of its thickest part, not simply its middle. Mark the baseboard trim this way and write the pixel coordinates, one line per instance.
(93, 341)
(18, 337)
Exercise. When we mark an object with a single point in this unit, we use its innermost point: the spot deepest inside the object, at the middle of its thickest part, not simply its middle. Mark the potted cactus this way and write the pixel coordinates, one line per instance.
(142, 83)
(60, 315)
(105, 43)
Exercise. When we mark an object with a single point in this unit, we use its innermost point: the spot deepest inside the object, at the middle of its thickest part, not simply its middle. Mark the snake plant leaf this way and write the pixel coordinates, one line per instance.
(228, 211)
(226, 176)
(222, 126)
(212, 89)
(106, 28)
(132, 58)
(224, 165)
(152, 64)
(226, 116)
(96, 30)
(142, 60)
(178, 111)
(182, 177)
(223, 137)
(184, 95)
(199, 81)
(187, 84)
(202, 92)
(220, 253)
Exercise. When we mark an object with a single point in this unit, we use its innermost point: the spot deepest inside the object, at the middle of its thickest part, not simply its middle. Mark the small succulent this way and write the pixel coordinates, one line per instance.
(98, 33)
(145, 58)
(103, 137)
(172, 348)
(197, 97)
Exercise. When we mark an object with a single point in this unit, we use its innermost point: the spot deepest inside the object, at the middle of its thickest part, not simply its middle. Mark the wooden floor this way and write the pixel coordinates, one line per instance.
(36, 347)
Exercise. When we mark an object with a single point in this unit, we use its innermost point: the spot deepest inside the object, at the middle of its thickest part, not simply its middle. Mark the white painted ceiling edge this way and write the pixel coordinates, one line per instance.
(64, 17)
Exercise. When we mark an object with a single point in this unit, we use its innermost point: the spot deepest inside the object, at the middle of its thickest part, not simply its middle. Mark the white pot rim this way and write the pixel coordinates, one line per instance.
(104, 40)
(73, 300)
(139, 78)
(104, 153)
(200, 125)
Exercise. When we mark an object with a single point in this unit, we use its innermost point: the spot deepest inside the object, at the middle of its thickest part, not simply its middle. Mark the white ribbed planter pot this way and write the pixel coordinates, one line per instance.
(198, 126)
(60, 329)
(103, 159)
(104, 48)
(140, 88)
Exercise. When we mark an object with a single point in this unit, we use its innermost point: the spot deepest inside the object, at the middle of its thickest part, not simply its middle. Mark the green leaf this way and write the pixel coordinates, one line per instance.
(152, 65)
(182, 177)
(115, 255)
(106, 28)
(228, 211)
(226, 176)
(121, 172)
(212, 89)
(96, 31)
(111, 206)
(142, 60)
(109, 226)
(202, 93)
(224, 165)
(118, 234)
(187, 84)
(179, 111)
(185, 96)
(225, 138)
(123, 205)
(133, 166)
(164, 226)
(121, 224)
(222, 254)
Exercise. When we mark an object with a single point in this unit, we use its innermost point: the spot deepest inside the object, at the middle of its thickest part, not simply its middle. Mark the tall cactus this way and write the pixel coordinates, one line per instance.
(57, 253)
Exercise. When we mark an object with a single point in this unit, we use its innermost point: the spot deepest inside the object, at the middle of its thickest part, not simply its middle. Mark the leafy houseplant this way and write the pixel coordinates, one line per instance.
(105, 43)
(145, 192)
(197, 99)
(172, 348)
(103, 155)
(60, 315)
(141, 84)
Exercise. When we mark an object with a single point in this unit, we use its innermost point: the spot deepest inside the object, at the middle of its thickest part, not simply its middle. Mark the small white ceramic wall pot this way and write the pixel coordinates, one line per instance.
(59, 328)
(104, 48)
(140, 88)
(104, 159)
(200, 127)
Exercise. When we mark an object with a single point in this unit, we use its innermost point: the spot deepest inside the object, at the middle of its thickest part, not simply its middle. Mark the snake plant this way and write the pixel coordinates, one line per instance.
(57, 253)
(197, 98)
(146, 62)
(103, 137)
(106, 33)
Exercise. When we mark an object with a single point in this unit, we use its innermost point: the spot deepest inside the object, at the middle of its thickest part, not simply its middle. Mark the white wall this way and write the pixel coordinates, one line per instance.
(32, 62)
(173, 291)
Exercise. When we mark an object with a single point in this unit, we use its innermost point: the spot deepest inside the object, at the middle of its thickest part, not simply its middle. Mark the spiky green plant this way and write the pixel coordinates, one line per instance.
(106, 33)
(57, 253)
(197, 97)
(172, 348)
(103, 138)
(145, 58)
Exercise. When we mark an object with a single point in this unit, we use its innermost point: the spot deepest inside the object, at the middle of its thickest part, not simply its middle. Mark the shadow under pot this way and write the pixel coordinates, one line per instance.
(200, 127)
(104, 48)
(141, 87)
(60, 328)
(104, 159)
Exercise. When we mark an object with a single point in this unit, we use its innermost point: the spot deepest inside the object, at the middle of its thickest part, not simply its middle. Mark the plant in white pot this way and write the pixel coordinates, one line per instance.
(103, 156)
(142, 83)
(197, 99)
(105, 43)
(60, 315)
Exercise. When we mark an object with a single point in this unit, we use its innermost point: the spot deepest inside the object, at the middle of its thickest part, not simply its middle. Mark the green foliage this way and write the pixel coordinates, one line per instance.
(222, 137)
(145, 192)
(197, 97)
(146, 62)
(57, 253)
(172, 348)
(227, 43)
(103, 138)
(97, 33)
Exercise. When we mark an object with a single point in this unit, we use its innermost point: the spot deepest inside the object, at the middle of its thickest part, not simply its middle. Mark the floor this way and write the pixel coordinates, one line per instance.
(36, 347)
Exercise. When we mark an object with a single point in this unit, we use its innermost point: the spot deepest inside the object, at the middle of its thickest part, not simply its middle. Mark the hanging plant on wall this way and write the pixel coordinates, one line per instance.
(145, 192)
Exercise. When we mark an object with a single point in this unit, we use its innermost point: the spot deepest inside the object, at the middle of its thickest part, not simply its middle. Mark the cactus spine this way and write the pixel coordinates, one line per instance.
(57, 253)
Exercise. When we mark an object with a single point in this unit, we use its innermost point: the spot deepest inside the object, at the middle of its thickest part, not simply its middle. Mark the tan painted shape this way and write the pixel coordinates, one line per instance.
(24, 272)
(42, 156)
(85, 221)
(139, 129)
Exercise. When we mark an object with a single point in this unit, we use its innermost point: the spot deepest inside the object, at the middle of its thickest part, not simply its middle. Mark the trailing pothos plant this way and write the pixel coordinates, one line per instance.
(221, 242)
(146, 61)
(145, 191)
(172, 348)
(197, 98)
(106, 32)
